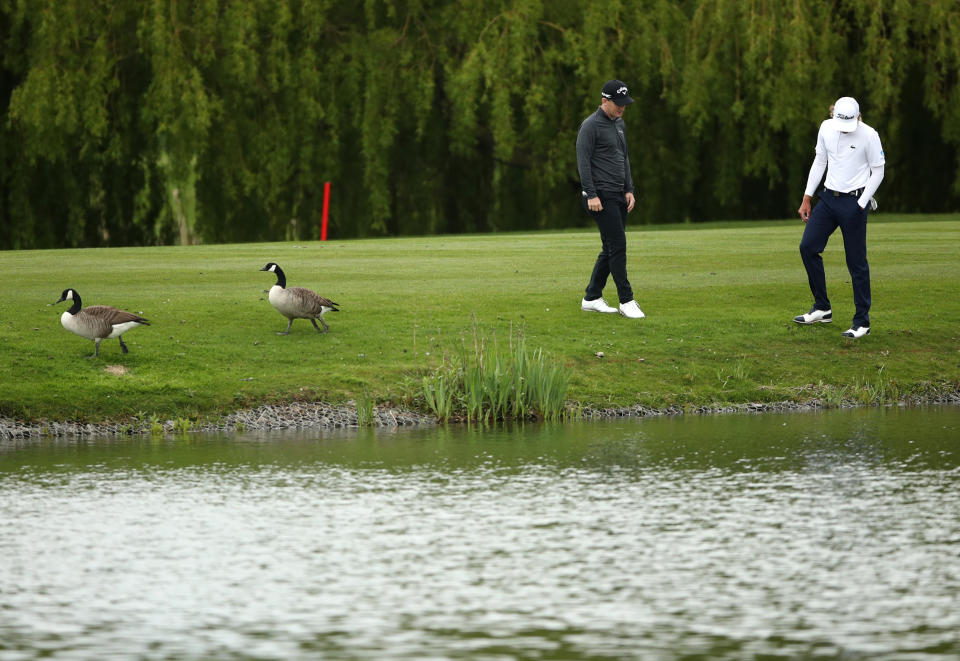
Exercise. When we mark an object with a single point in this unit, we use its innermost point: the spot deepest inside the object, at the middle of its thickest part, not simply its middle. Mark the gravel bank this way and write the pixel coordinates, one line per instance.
(314, 415)
(295, 415)
(948, 397)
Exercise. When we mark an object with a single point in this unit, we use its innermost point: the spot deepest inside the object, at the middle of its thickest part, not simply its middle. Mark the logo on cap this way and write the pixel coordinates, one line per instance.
(616, 91)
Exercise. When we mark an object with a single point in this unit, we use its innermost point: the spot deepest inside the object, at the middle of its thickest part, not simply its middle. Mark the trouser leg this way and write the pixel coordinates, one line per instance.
(598, 278)
(853, 226)
(612, 260)
(820, 226)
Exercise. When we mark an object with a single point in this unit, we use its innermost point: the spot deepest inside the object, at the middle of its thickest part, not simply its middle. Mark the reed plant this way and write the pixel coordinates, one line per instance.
(486, 385)
(156, 425)
(832, 397)
(182, 425)
(365, 405)
(878, 391)
(546, 385)
(440, 391)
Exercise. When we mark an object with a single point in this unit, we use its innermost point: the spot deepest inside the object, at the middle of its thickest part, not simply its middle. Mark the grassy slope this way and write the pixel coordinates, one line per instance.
(719, 300)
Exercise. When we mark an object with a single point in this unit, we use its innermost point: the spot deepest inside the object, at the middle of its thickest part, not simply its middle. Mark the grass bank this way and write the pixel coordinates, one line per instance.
(718, 299)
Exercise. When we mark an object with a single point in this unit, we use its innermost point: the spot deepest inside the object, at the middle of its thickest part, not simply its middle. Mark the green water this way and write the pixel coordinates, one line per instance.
(815, 535)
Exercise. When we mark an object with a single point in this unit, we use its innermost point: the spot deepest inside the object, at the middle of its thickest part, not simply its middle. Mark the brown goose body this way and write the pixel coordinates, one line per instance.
(297, 302)
(97, 322)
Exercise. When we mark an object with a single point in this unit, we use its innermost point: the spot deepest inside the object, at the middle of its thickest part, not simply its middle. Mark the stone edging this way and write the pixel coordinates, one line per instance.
(294, 415)
(317, 415)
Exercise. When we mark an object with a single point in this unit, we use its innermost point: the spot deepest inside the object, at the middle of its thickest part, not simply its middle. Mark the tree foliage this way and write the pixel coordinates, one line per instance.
(170, 121)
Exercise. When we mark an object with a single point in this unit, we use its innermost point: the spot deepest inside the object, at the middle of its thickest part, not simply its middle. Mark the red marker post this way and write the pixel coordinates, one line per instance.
(326, 211)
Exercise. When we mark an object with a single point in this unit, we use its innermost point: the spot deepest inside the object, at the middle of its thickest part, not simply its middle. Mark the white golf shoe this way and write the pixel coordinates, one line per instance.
(815, 315)
(631, 310)
(596, 305)
(858, 331)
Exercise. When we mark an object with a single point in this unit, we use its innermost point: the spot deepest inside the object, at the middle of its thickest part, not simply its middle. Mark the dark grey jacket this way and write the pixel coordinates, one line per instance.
(602, 158)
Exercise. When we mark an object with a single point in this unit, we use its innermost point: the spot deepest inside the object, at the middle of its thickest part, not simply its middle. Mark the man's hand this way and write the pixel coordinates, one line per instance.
(594, 204)
(804, 209)
(630, 202)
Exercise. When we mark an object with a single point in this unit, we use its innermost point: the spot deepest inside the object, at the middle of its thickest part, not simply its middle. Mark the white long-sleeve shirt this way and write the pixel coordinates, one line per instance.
(852, 161)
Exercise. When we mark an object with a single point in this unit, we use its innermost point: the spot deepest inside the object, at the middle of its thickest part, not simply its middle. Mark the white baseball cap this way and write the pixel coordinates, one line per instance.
(845, 113)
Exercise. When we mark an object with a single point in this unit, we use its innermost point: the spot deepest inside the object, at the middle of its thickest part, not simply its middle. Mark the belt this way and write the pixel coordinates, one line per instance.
(854, 193)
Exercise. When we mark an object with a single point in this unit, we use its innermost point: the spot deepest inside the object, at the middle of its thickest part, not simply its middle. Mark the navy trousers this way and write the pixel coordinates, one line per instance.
(612, 260)
(830, 213)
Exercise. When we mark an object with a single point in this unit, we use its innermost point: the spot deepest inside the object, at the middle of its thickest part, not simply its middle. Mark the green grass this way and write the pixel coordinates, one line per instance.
(718, 299)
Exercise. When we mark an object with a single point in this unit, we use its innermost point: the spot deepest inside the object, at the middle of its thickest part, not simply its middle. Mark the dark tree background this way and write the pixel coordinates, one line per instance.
(175, 121)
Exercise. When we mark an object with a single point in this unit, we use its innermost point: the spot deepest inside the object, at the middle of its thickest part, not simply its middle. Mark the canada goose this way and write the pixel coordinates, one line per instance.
(97, 322)
(297, 302)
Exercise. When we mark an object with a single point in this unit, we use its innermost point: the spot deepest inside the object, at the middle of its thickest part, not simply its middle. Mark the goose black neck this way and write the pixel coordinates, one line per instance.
(75, 308)
(281, 278)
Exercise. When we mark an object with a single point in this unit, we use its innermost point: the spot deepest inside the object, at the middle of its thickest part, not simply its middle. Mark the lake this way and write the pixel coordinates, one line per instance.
(832, 535)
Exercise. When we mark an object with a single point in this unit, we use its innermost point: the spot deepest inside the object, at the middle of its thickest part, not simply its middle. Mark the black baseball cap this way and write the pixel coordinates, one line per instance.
(616, 91)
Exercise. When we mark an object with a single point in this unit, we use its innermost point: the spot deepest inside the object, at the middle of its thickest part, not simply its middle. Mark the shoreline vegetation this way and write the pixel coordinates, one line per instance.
(476, 327)
(317, 415)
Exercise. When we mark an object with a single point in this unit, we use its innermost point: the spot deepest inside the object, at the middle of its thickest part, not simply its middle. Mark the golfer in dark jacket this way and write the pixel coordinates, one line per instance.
(607, 195)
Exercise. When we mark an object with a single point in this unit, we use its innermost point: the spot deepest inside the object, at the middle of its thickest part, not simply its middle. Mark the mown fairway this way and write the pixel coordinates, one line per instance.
(718, 299)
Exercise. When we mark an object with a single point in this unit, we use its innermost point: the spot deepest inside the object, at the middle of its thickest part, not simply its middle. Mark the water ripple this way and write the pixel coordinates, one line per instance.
(571, 552)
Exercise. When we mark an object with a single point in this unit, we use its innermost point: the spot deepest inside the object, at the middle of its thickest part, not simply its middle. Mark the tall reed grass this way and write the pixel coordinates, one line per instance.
(365, 405)
(486, 384)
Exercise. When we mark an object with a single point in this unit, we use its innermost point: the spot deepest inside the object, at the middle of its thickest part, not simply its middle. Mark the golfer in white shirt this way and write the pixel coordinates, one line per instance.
(852, 156)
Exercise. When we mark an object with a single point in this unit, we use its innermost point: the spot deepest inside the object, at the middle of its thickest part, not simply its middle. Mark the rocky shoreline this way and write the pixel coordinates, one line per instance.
(317, 415)
(951, 397)
(269, 417)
